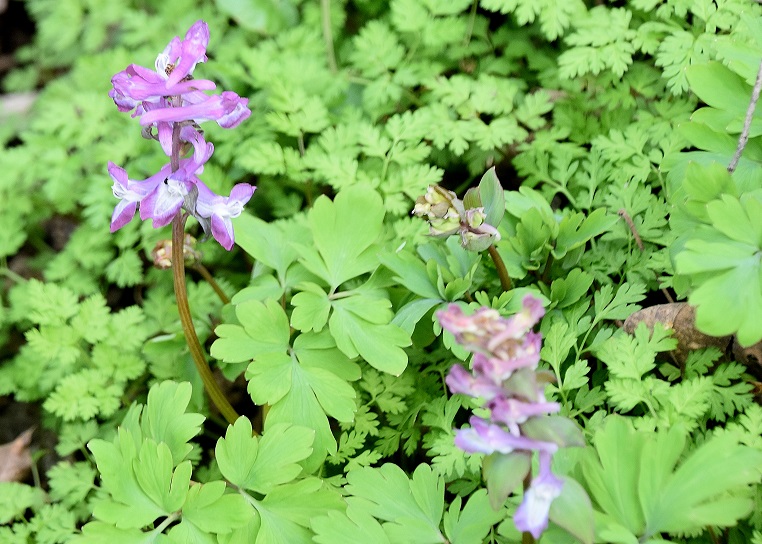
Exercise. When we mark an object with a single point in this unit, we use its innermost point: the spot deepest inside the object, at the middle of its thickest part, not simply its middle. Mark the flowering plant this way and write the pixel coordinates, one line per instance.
(505, 377)
(170, 105)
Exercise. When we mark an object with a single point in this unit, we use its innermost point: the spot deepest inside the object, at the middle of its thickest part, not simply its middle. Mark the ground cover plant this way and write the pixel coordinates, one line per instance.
(405, 271)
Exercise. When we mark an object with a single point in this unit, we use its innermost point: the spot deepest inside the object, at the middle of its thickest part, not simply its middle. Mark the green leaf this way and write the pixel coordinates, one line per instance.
(611, 471)
(345, 232)
(411, 272)
(701, 490)
(71, 483)
(97, 532)
(570, 289)
(724, 264)
(311, 308)
(413, 509)
(15, 498)
(361, 326)
(576, 230)
(288, 510)
(492, 197)
(305, 386)
(634, 477)
(260, 464)
(471, 524)
(573, 511)
(263, 16)
(211, 510)
(411, 313)
(153, 471)
(164, 418)
(264, 329)
(618, 306)
(503, 474)
(129, 506)
(719, 87)
(354, 525)
(266, 242)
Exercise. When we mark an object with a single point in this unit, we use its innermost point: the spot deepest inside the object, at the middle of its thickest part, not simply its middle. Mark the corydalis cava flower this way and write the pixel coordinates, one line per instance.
(171, 104)
(506, 379)
(447, 215)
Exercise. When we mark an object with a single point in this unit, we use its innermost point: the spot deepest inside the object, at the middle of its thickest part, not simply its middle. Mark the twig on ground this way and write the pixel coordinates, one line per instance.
(627, 219)
(744, 138)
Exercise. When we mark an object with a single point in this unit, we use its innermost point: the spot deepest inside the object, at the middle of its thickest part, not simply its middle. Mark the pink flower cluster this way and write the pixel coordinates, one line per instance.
(506, 355)
(170, 105)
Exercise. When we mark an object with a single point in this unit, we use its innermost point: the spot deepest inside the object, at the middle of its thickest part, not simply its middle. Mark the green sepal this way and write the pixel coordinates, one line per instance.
(503, 474)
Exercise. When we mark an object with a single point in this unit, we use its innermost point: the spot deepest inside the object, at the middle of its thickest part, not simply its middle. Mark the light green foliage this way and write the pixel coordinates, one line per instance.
(73, 356)
(644, 483)
(16, 498)
(701, 391)
(601, 133)
(385, 506)
(262, 464)
(718, 221)
(303, 383)
(145, 477)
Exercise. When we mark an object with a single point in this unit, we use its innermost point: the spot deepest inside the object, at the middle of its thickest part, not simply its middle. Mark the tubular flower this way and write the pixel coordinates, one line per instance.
(532, 514)
(169, 101)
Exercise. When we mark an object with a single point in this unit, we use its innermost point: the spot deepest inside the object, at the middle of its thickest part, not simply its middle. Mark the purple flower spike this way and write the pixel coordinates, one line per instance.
(169, 101)
(136, 84)
(505, 376)
(513, 412)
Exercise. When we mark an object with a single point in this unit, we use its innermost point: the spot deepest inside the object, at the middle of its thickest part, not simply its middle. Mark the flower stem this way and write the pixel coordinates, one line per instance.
(181, 294)
(502, 272)
(201, 269)
(325, 11)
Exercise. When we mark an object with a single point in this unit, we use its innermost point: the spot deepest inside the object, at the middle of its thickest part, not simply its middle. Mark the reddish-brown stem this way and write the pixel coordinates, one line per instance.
(201, 269)
(197, 353)
(183, 307)
(502, 272)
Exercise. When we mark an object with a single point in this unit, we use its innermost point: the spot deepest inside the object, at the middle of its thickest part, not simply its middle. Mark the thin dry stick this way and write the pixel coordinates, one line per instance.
(627, 219)
(744, 138)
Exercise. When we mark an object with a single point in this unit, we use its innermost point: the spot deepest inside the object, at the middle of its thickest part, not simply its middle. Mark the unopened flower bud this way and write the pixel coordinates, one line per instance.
(435, 203)
(162, 253)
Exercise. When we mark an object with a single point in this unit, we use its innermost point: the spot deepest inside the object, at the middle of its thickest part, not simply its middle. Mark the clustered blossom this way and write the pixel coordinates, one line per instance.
(447, 215)
(170, 105)
(505, 376)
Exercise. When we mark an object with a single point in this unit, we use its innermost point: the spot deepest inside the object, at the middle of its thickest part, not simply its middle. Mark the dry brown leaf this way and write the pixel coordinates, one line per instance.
(681, 318)
(15, 459)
